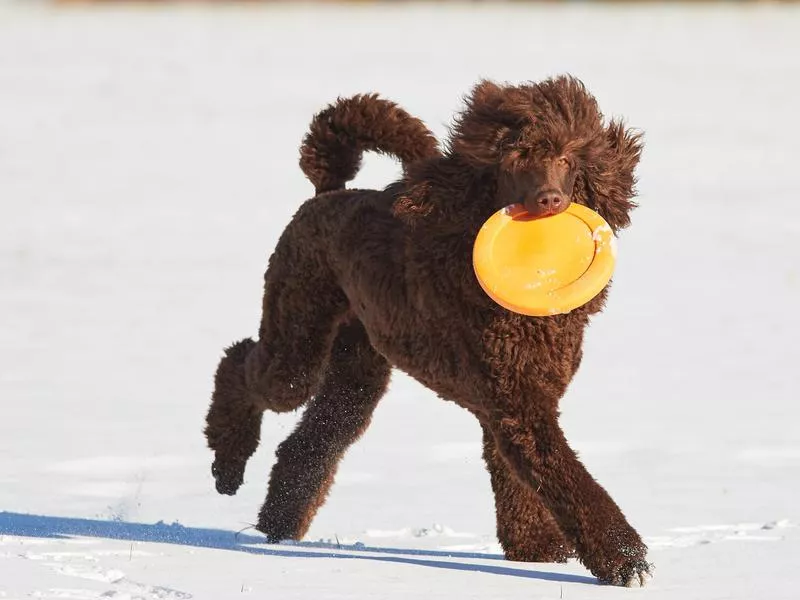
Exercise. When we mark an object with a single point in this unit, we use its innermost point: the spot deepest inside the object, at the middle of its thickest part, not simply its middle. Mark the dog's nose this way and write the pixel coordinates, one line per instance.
(550, 202)
(546, 203)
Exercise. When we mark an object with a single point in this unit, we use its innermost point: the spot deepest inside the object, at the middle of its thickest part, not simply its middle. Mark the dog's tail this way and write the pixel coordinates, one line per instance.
(331, 152)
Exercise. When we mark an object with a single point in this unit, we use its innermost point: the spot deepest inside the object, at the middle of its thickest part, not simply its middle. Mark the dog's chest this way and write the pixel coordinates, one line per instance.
(541, 354)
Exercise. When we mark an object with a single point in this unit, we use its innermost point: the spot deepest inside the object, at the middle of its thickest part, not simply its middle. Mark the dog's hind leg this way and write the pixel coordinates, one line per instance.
(302, 309)
(355, 380)
(526, 529)
(233, 425)
(279, 372)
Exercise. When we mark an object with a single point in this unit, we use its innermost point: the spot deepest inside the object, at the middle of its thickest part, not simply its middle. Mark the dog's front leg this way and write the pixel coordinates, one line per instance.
(530, 439)
(526, 529)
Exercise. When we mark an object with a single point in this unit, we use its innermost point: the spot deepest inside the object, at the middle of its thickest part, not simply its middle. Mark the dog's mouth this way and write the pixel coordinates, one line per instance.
(519, 212)
(546, 203)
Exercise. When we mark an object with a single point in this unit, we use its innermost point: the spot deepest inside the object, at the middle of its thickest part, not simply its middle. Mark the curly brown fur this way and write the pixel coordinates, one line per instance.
(356, 379)
(392, 268)
(526, 528)
(331, 152)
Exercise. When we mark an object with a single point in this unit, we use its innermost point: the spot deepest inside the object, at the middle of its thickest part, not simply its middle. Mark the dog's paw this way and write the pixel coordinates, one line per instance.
(281, 523)
(228, 476)
(635, 573)
(621, 560)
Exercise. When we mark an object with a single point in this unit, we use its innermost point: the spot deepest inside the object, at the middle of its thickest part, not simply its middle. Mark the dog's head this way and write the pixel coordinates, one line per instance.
(546, 145)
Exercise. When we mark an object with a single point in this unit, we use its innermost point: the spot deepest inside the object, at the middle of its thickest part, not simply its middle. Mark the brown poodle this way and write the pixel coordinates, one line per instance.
(365, 280)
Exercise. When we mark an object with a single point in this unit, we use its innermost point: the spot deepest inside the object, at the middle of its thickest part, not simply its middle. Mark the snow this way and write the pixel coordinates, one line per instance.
(148, 163)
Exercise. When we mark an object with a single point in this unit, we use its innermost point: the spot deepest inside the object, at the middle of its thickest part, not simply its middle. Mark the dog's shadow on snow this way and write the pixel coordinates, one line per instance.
(60, 527)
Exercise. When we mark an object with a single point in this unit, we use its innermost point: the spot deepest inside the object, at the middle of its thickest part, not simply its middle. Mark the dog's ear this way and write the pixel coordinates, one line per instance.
(488, 126)
(612, 185)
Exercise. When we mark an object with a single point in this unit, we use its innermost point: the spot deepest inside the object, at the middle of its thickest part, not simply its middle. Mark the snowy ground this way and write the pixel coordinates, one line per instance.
(148, 162)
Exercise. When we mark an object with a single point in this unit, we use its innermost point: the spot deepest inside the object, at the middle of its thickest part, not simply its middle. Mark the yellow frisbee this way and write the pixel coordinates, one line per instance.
(544, 266)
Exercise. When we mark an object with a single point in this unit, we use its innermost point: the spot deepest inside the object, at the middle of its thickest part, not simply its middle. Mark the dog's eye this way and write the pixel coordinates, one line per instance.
(563, 161)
